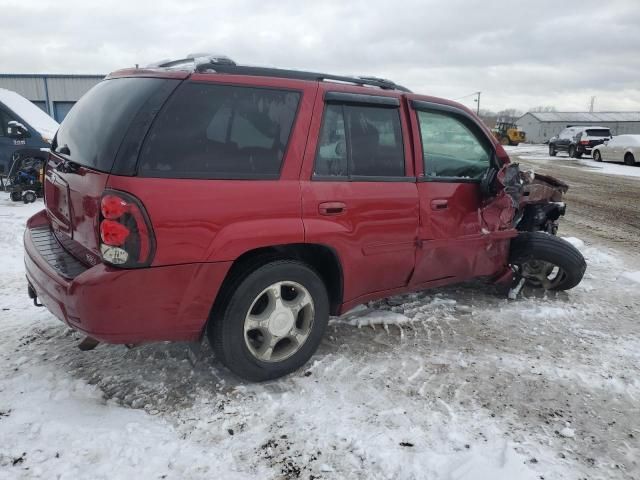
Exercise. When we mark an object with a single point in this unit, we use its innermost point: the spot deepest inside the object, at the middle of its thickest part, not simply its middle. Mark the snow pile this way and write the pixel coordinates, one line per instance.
(633, 276)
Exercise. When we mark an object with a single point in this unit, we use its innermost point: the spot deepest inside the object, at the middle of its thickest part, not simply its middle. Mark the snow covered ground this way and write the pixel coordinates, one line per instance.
(541, 153)
(457, 384)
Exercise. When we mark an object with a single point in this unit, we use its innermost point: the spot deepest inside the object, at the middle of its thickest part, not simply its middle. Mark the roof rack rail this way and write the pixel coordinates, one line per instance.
(297, 75)
(192, 61)
(208, 62)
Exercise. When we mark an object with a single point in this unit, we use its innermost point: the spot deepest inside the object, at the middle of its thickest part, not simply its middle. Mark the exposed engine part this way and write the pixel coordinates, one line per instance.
(536, 198)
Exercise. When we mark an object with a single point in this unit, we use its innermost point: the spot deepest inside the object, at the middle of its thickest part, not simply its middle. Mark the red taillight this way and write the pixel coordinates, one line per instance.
(113, 233)
(112, 207)
(125, 231)
(584, 142)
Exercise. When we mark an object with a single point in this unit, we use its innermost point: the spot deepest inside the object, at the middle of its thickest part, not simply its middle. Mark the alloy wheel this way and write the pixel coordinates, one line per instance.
(279, 321)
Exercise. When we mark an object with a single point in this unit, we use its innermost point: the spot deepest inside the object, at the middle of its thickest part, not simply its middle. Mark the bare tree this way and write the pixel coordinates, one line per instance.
(509, 115)
(543, 108)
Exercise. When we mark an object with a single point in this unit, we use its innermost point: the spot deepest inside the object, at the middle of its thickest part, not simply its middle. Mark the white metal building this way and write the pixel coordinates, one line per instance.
(541, 126)
(55, 94)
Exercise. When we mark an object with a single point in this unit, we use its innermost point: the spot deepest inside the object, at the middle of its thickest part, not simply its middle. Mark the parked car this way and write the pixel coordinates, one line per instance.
(621, 148)
(201, 197)
(577, 141)
(24, 129)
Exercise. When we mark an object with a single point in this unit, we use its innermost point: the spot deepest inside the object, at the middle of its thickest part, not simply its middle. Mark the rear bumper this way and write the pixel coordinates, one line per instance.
(117, 305)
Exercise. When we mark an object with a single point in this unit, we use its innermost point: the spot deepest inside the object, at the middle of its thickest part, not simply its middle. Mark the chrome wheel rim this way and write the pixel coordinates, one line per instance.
(279, 321)
(542, 274)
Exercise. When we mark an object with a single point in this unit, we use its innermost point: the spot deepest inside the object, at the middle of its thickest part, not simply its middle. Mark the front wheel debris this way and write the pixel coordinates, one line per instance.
(546, 261)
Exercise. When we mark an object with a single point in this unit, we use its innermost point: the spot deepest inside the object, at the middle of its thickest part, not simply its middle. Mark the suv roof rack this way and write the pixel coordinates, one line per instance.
(207, 62)
(193, 61)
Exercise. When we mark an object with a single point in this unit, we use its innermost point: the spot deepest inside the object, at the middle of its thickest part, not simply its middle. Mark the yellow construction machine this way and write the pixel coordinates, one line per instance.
(508, 133)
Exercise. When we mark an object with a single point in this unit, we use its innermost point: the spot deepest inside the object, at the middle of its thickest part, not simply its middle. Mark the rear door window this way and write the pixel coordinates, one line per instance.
(598, 132)
(94, 128)
(220, 131)
(360, 142)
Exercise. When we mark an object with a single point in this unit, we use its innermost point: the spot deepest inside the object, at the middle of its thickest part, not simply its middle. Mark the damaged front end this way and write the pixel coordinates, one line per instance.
(532, 204)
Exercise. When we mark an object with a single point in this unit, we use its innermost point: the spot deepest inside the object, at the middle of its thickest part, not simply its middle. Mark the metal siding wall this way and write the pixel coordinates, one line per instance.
(69, 89)
(540, 132)
(31, 88)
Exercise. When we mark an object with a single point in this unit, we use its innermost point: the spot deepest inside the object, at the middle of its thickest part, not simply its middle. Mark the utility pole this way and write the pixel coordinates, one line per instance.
(593, 100)
(477, 100)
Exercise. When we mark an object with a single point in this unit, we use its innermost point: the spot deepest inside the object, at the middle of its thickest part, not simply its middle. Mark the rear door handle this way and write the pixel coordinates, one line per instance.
(331, 208)
(439, 204)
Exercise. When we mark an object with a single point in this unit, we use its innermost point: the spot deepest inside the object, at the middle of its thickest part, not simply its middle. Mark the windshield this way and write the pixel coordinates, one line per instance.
(28, 113)
(94, 128)
(599, 132)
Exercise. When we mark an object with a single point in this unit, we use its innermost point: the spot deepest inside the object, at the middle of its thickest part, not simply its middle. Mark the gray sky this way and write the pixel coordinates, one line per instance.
(520, 54)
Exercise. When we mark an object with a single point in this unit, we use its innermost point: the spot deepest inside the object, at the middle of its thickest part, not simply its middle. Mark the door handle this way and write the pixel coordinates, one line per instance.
(439, 204)
(331, 208)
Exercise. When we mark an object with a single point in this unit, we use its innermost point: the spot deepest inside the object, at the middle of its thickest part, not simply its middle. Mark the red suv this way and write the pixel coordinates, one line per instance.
(200, 196)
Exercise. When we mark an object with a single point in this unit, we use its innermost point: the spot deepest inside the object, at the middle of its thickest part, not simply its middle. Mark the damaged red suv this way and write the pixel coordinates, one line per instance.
(200, 197)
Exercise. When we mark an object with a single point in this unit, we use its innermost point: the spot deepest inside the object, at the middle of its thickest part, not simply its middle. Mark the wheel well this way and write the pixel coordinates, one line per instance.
(629, 154)
(321, 258)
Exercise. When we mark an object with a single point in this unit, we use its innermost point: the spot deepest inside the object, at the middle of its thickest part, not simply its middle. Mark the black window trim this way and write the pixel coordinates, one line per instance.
(361, 99)
(359, 178)
(209, 176)
(424, 106)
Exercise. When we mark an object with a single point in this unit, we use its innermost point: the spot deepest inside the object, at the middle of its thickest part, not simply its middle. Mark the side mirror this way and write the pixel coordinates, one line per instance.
(488, 183)
(17, 130)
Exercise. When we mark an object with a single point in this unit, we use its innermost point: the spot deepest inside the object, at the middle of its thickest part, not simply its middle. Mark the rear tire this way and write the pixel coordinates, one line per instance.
(629, 160)
(597, 156)
(547, 261)
(256, 329)
(29, 197)
(15, 196)
(552, 151)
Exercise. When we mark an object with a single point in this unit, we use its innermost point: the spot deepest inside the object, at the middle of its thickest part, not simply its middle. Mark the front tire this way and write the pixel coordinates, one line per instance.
(597, 156)
(271, 321)
(546, 261)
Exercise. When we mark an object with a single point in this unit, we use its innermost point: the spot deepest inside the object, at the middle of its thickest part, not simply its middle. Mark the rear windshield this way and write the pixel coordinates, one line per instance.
(598, 132)
(94, 128)
(220, 131)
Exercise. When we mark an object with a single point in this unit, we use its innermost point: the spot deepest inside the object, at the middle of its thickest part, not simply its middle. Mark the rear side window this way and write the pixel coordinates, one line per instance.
(598, 132)
(220, 131)
(94, 128)
(360, 141)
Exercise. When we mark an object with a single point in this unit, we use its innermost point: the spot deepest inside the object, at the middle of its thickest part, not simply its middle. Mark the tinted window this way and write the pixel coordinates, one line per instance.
(451, 147)
(598, 132)
(360, 141)
(96, 125)
(220, 131)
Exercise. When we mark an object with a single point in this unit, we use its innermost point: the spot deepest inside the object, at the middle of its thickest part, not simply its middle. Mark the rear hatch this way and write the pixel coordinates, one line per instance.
(101, 135)
(596, 136)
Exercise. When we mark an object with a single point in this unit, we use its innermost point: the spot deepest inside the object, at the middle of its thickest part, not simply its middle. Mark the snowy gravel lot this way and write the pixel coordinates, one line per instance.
(456, 383)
